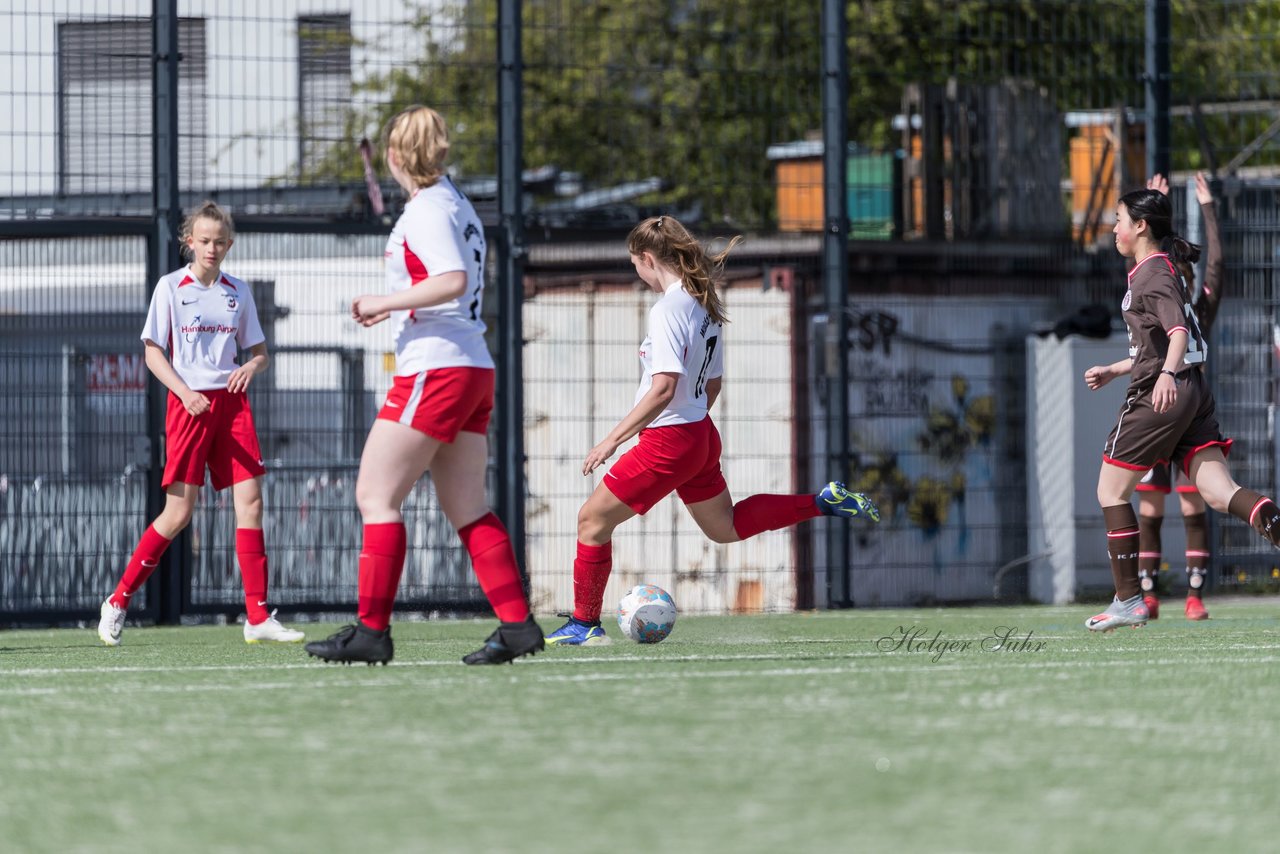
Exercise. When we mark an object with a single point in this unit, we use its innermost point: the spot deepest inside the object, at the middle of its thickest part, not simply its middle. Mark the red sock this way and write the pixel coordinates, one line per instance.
(381, 562)
(760, 513)
(494, 562)
(251, 552)
(590, 575)
(141, 565)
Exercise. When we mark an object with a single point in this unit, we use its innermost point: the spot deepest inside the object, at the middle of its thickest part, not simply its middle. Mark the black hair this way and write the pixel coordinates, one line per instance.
(1153, 208)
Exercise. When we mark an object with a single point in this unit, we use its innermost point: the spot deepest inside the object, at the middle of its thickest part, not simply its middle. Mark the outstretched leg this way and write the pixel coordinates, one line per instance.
(1212, 478)
(725, 522)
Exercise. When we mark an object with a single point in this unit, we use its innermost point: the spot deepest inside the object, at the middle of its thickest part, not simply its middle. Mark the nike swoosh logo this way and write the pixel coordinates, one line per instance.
(149, 564)
(260, 604)
(125, 595)
(190, 301)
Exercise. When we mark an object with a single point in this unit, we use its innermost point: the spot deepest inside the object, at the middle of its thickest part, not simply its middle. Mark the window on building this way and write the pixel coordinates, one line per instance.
(104, 105)
(324, 85)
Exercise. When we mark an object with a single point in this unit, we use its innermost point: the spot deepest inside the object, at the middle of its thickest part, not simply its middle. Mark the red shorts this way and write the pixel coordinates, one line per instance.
(222, 439)
(680, 457)
(442, 402)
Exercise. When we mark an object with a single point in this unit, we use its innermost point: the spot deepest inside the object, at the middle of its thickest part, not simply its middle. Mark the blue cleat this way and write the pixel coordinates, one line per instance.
(836, 500)
(577, 633)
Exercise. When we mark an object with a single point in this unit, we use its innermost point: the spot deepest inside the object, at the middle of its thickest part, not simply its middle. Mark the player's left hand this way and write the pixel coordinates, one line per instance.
(240, 378)
(1165, 394)
(598, 455)
(367, 310)
(1203, 196)
(1158, 183)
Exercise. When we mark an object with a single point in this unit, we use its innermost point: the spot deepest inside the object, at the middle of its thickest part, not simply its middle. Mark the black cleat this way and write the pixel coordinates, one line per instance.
(355, 643)
(509, 642)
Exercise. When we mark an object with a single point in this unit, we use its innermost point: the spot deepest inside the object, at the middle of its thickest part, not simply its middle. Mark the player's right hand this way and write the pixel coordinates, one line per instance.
(1158, 183)
(1098, 376)
(599, 456)
(195, 403)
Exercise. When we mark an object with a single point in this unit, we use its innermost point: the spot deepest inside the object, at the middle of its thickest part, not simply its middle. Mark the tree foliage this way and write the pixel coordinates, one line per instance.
(695, 91)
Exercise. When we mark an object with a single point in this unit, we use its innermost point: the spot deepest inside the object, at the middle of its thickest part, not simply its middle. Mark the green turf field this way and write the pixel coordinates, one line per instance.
(803, 732)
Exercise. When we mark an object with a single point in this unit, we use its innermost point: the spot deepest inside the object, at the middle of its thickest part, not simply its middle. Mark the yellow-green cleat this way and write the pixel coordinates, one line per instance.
(835, 499)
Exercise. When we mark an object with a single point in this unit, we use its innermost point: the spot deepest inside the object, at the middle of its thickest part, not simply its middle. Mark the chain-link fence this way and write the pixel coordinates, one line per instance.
(987, 143)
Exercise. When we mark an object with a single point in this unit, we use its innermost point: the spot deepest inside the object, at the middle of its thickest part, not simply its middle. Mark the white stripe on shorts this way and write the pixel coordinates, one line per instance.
(415, 397)
(1128, 407)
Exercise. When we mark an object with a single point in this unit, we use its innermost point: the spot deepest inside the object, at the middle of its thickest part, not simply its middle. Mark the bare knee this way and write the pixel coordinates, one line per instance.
(375, 505)
(1109, 498)
(593, 529)
(1149, 505)
(249, 512)
(175, 516)
(722, 536)
(1216, 499)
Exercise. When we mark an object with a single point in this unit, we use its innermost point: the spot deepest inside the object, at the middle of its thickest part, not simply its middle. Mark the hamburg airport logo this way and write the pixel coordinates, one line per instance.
(190, 331)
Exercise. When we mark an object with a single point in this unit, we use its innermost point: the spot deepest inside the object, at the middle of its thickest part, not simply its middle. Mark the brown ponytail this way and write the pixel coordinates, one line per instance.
(673, 245)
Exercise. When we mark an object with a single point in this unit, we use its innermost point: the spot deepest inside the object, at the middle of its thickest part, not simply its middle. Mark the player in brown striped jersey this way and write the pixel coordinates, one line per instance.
(1168, 413)
(1158, 482)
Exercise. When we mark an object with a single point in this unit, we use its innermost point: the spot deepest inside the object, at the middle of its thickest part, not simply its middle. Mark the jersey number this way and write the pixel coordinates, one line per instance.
(475, 302)
(1197, 349)
(701, 385)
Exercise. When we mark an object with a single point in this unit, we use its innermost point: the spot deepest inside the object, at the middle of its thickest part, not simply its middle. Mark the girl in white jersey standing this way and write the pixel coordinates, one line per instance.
(436, 415)
(679, 447)
(203, 317)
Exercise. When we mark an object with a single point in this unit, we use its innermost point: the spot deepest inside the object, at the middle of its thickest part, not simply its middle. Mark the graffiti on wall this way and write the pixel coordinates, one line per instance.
(923, 415)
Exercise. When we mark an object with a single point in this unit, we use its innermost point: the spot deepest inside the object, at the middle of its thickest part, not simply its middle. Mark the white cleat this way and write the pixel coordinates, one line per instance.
(1131, 612)
(111, 623)
(270, 629)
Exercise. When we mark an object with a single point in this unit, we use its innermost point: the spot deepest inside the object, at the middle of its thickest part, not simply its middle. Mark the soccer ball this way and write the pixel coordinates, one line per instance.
(647, 614)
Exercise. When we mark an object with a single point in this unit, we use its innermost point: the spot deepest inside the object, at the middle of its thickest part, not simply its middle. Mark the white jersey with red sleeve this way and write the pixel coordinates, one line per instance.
(202, 327)
(439, 232)
(683, 339)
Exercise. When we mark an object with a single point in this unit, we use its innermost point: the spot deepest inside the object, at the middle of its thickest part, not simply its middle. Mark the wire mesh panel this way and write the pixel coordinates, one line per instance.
(1242, 363)
(73, 441)
(636, 104)
(581, 373)
(313, 408)
(978, 131)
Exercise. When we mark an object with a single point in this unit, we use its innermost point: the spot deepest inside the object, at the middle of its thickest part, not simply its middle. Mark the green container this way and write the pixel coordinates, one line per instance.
(869, 183)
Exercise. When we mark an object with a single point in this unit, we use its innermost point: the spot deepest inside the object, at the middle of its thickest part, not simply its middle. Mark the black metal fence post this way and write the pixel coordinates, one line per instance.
(1157, 76)
(510, 455)
(835, 268)
(169, 583)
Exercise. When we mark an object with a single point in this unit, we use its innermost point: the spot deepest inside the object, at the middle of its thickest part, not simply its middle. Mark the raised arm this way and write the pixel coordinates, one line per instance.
(1211, 291)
